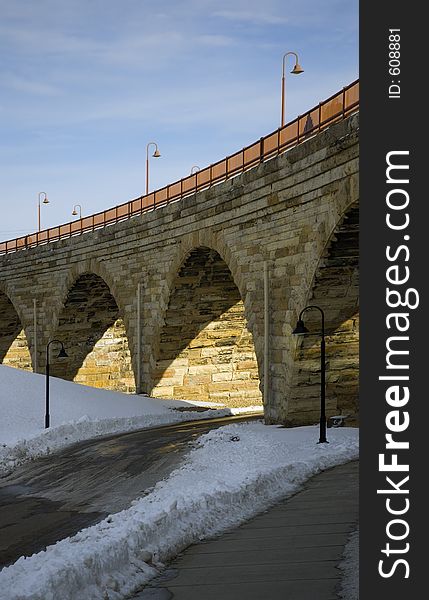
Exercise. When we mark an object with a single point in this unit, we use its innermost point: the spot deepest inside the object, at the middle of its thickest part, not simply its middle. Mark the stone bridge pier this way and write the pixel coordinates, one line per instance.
(171, 302)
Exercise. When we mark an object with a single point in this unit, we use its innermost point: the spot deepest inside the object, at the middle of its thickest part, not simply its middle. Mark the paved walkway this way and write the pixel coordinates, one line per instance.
(290, 552)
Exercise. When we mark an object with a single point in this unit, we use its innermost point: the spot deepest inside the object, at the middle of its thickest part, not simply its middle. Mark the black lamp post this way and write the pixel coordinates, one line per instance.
(62, 354)
(301, 329)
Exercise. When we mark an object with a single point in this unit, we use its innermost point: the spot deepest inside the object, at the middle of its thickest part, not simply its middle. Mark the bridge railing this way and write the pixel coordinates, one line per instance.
(334, 109)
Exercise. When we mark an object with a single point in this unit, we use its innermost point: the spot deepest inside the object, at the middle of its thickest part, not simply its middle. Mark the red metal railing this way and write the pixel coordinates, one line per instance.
(334, 109)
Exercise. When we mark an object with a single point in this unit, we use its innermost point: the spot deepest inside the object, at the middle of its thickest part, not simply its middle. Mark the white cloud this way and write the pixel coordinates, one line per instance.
(44, 41)
(84, 82)
(216, 40)
(261, 18)
(27, 86)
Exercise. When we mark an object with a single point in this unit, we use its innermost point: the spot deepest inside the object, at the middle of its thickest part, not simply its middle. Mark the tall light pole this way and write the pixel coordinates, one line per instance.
(62, 354)
(156, 154)
(74, 213)
(45, 201)
(297, 70)
(301, 329)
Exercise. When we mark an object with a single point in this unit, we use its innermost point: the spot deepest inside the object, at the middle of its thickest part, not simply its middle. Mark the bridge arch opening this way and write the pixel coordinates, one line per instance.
(92, 329)
(14, 350)
(336, 290)
(206, 350)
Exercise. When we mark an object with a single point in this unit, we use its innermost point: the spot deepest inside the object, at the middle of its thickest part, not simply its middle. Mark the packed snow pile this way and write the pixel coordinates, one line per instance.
(77, 413)
(230, 474)
(350, 569)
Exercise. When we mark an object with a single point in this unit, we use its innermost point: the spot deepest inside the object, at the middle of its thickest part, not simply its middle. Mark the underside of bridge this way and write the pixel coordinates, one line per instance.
(93, 332)
(206, 351)
(336, 291)
(14, 350)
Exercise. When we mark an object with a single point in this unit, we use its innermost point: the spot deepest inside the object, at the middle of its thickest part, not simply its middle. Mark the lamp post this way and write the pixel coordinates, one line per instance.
(45, 201)
(156, 154)
(62, 354)
(196, 167)
(301, 329)
(74, 213)
(297, 70)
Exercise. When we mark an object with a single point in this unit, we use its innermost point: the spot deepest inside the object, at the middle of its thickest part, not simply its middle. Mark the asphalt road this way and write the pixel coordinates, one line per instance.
(58, 495)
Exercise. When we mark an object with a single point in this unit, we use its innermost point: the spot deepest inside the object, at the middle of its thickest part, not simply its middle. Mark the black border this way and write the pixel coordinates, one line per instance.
(387, 125)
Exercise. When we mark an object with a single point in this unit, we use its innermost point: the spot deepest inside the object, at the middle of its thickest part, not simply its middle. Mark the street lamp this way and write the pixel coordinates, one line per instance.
(74, 213)
(301, 329)
(297, 70)
(62, 354)
(196, 167)
(156, 154)
(45, 201)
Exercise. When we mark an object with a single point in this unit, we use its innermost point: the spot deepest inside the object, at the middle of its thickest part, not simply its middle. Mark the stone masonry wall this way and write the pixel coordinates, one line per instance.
(336, 291)
(206, 351)
(14, 350)
(94, 336)
(282, 213)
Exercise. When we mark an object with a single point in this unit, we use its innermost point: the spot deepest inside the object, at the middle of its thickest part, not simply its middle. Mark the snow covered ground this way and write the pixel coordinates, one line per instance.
(77, 413)
(229, 475)
(350, 568)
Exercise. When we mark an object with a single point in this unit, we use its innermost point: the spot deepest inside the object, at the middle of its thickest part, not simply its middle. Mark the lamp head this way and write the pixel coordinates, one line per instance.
(300, 328)
(297, 70)
(156, 154)
(45, 200)
(74, 213)
(62, 353)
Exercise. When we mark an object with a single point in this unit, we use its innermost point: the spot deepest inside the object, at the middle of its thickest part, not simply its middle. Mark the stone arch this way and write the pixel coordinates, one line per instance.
(69, 278)
(335, 288)
(205, 349)
(14, 346)
(206, 239)
(91, 325)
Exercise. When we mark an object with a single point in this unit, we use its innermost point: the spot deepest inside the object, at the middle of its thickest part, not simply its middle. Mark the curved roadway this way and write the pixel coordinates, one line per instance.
(58, 495)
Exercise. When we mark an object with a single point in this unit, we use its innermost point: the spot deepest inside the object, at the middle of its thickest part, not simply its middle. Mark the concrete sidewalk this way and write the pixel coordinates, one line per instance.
(290, 552)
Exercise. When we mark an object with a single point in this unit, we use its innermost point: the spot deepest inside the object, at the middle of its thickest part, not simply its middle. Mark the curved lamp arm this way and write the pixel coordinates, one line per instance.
(313, 306)
(284, 60)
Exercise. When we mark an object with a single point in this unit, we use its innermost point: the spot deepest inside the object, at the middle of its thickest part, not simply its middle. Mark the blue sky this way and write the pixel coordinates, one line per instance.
(86, 84)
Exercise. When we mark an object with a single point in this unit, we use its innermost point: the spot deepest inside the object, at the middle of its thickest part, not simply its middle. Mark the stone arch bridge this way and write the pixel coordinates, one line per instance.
(171, 302)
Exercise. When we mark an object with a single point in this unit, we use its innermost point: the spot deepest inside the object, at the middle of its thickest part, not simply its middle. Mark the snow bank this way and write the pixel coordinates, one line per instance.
(231, 474)
(77, 413)
(350, 569)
